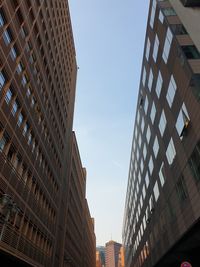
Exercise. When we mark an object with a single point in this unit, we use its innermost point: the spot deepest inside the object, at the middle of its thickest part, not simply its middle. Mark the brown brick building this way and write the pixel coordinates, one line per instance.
(37, 92)
(162, 210)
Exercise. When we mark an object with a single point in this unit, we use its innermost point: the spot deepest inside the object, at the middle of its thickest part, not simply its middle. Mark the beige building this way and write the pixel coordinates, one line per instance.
(112, 253)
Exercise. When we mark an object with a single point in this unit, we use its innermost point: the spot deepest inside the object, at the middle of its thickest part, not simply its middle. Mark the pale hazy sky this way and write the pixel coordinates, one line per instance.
(109, 39)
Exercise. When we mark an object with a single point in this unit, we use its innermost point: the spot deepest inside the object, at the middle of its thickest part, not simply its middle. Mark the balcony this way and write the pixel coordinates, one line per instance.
(191, 3)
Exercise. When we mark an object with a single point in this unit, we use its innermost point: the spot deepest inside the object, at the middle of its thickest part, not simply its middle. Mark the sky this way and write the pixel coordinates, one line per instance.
(109, 40)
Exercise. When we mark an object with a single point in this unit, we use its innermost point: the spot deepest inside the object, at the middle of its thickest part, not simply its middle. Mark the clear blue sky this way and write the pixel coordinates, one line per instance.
(109, 39)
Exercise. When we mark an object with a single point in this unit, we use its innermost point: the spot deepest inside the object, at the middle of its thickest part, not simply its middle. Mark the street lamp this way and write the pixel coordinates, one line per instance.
(11, 209)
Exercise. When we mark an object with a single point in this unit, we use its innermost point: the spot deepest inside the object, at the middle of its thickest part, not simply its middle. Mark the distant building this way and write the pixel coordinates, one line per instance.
(162, 210)
(98, 259)
(121, 260)
(102, 253)
(112, 253)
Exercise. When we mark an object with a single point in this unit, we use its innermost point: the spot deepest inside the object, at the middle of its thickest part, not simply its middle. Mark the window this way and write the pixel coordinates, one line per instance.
(148, 135)
(156, 191)
(195, 84)
(13, 53)
(2, 20)
(144, 76)
(159, 84)
(20, 119)
(161, 17)
(156, 147)
(153, 113)
(19, 68)
(194, 162)
(150, 82)
(2, 80)
(24, 80)
(181, 189)
(171, 152)
(144, 151)
(7, 37)
(167, 45)
(191, 52)
(151, 165)
(153, 12)
(155, 48)
(2, 143)
(28, 92)
(169, 11)
(182, 121)
(178, 29)
(162, 123)
(146, 104)
(29, 138)
(8, 96)
(15, 108)
(162, 175)
(142, 125)
(25, 129)
(171, 91)
(148, 45)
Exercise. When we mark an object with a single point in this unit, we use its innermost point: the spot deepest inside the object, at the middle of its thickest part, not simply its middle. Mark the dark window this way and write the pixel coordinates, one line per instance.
(181, 189)
(178, 29)
(169, 11)
(194, 162)
(191, 52)
(195, 84)
(191, 3)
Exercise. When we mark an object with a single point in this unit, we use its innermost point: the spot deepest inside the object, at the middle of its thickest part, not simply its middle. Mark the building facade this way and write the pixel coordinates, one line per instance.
(37, 91)
(102, 253)
(121, 258)
(162, 210)
(112, 253)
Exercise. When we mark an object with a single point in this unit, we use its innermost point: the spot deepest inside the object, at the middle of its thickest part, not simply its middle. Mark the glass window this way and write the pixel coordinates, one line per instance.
(159, 84)
(28, 92)
(182, 121)
(171, 152)
(151, 165)
(153, 12)
(8, 96)
(29, 138)
(162, 123)
(167, 45)
(146, 104)
(144, 76)
(24, 80)
(155, 48)
(139, 140)
(194, 162)
(181, 189)
(148, 135)
(20, 119)
(162, 175)
(6, 37)
(150, 82)
(171, 91)
(13, 53)
(144, 191)
(148, 45)
(2, 143)
(15, 108)
(2, 80)
(19, 68)
(169, 11)
(161, 17)
(144, 151)
(142, 125)
(153, 113)
(156, 191)
(2, 20)
(178, 29)
(191, 52)
(25, 129)
(156, 147)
